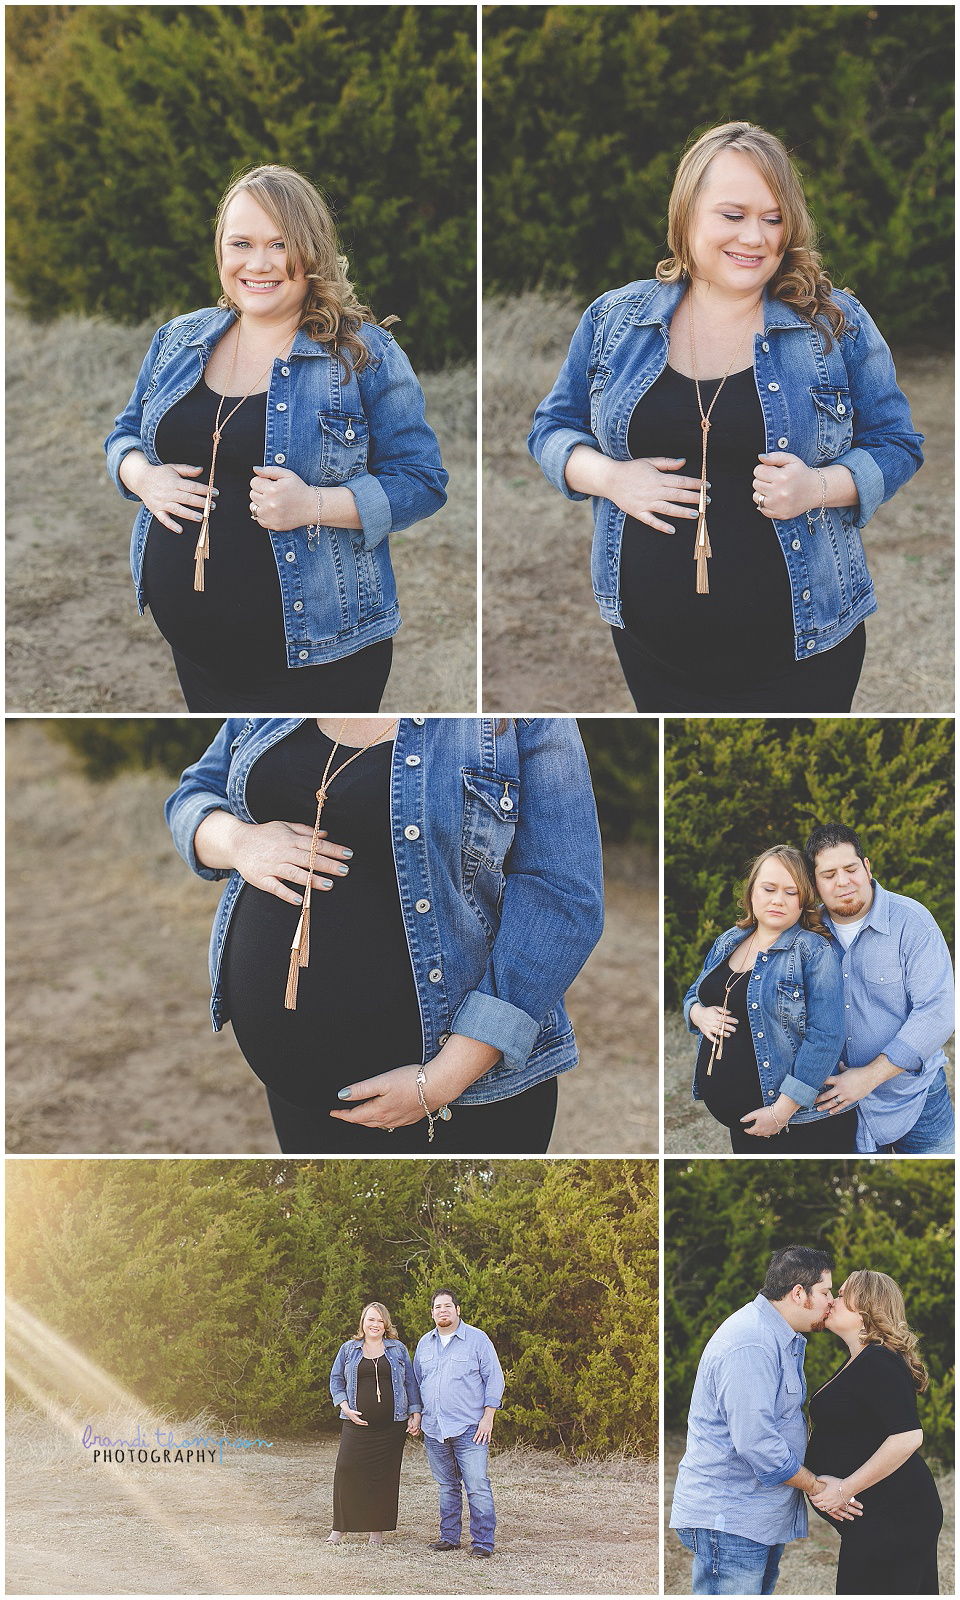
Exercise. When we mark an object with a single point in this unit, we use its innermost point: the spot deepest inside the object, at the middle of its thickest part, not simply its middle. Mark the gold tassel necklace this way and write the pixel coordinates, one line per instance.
(202, 552)
(300, 949)
(701, 550)
(716, 1054)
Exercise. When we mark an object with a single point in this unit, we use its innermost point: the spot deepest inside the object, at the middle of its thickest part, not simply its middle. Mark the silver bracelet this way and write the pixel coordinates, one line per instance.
(821, 514)
(444, 1114)
(313, 528)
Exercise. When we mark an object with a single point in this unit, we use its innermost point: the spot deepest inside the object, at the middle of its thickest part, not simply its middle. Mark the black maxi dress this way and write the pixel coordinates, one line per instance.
(366, 1482)
(733, 1087)
(732, 649)
(357, 1009)
(892, 1548)
(228, 641)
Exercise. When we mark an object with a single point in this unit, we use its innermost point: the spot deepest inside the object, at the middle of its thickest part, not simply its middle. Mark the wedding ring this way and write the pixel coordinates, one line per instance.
(759, 498)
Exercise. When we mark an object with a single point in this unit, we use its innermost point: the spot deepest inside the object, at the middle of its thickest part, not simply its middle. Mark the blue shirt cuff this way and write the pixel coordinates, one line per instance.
(376, 516)
(495, 1022)
(770, 1480)
(868, 479)
(556, 452)
(903, 1057)
(803, 1093)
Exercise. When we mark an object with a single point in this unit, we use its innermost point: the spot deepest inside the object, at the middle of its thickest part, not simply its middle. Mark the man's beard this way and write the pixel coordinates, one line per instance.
(849, 908)
(818, 1327)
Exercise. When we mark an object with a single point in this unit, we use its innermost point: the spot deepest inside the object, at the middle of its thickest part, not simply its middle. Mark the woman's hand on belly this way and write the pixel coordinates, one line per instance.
(646, 489)
(269, 855)
(708, 1019)
(391, 1099)
(166, 491)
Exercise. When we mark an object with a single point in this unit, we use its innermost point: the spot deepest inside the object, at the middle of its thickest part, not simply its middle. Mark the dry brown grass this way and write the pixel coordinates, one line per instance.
(809, 1566)
(74, 639)
(257, 1524)
(688, 1128)
(544, 645)
(109, 1048)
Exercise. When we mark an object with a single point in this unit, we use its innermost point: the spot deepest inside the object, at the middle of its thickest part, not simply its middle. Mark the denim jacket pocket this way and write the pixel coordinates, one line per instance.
(491, 810)
(792, 1009)
(834, 411)
(344, 443)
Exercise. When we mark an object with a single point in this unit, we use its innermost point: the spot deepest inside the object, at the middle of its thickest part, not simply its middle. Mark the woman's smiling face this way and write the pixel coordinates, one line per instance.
(253, 268)
(775, 900)
(736, 234)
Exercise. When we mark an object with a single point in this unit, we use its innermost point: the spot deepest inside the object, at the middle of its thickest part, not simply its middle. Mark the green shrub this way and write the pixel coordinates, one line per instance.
(126, 123)
(732, 786)
(587, 110)
(107, 746)
(624, 765)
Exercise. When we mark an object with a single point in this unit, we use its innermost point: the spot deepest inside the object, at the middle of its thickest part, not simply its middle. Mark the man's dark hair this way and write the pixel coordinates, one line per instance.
(827, 836)
(795, 1263)
(437, 1293)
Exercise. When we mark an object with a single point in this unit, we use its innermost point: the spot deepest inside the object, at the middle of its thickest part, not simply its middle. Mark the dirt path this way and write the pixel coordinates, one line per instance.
(809, 1566)
(257, 1524)
(74, 639)
(545, 647)
(109, 1048)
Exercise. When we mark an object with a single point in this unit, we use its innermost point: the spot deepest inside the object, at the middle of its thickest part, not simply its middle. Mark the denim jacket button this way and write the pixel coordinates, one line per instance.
(766, 1063)
(411, 831)
(765, 347)
(811, 644)
(281, 405)
(290, 555)
(435, 975)
(303, 655)
(423, 905)
(279, 459)
(774, 388)
(506, 804)
(413, 761)
(782, 444)
(759, 1034)
(763, 958)
(753, 1005)
(285, 371)
(770, 1093)
(298, 605)
(795, 545)
(805, 595)
(443, 1038)
(418, 722)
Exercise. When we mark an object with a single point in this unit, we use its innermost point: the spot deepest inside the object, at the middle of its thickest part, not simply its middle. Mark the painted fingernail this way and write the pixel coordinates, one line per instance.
(327, 883)
(344, 1094)
(346, 854)
(343, 871)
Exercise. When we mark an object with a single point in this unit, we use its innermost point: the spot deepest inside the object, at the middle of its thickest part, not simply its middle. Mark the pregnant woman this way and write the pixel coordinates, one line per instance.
(767, 1009)
(407, 903)
(737, 422)
(287, 430)
(866, 1433)
(373, 1384)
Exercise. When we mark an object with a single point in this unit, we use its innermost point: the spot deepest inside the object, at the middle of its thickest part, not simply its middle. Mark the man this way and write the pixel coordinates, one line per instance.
(461, 1385)
(738, 1496)
(898, 995)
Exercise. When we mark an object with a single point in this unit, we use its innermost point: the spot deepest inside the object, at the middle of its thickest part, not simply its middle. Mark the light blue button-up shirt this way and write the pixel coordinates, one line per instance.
(457, 1380)
(898, 1002)
(746, 1432)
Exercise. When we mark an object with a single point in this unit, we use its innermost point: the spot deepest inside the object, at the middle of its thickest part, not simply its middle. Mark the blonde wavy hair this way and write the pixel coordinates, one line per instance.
(880, 1303)
(332, 315)
(796, 864)
(800, 280)
(389, 1331)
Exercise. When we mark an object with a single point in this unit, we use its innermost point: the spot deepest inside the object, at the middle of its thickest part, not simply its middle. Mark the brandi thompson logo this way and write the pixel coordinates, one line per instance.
(160, 1446)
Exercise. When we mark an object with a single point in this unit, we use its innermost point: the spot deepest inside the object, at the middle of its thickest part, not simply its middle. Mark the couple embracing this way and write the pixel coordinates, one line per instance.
(748, 1463)
(821, 1016)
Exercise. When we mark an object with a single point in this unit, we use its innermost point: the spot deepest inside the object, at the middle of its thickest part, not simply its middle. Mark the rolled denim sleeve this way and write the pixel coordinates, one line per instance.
(414, 1400)
(338, 1377)
(823, 1038)
(126, 433)
(886, 450)
(562, 420)
(552, 913)
(405, 480)
(747, 1382)
(492, 1374)
(928, 978)
(202, 789)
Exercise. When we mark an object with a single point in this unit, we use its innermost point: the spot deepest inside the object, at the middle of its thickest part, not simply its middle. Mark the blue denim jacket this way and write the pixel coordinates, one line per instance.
(343, 1377)
(497, 852)
(368, 432)
(840, 407)
(795, 1003)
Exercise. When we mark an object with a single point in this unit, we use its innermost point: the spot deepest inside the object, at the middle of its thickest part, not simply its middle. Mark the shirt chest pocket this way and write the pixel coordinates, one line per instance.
(344, 444)
(792, 1008)
(834, 410)
(884, 985)
(790, 1396)
(491, 810)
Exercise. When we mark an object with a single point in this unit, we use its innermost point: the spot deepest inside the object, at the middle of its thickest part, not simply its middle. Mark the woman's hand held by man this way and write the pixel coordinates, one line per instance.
(413, 1423)
(166, 490)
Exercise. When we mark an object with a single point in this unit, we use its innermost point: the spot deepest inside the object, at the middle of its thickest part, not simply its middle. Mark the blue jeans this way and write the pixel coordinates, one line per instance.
(726, 1563)
(456, 1462)
(933, 1132)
